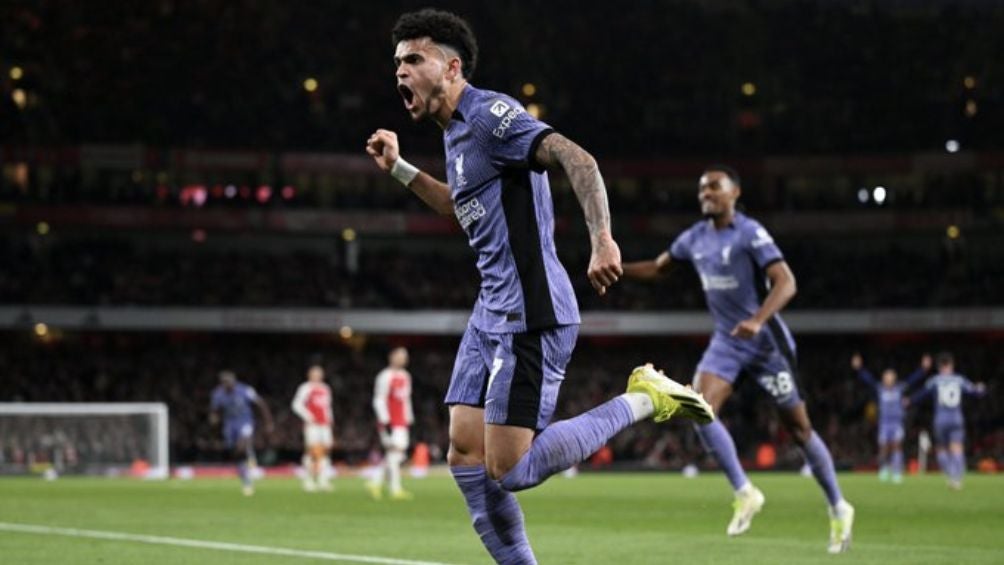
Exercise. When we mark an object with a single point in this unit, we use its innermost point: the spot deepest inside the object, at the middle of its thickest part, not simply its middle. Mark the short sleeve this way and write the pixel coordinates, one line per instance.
(511, 135)
(250, 394)
(762, 246)
(679, 250)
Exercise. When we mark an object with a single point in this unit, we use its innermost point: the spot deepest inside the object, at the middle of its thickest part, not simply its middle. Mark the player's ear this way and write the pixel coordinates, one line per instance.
(454, 69)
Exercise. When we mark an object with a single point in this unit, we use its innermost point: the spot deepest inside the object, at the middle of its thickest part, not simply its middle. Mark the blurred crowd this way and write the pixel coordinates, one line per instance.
(868, 76)
(181, 370)
(888, 272)
(972, 190)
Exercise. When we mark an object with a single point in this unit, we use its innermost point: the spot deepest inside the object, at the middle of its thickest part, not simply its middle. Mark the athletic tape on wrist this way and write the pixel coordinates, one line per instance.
(403, 171)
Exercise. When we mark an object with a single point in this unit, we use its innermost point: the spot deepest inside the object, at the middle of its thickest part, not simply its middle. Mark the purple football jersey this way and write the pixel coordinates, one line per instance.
(948, 391)
(234, 405)
(890, 399)
(502, 200)
(731, 263)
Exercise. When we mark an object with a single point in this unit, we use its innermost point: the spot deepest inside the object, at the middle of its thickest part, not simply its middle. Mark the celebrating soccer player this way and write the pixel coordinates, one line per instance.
(948, 387)
(746, 283)
(890, 409)
(231, 402)
(519, 339)
(312, 404)
(392, 404)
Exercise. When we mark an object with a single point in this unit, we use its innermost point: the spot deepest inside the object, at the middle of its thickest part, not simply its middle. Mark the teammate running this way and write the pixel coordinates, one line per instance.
(746, 283)
(231, 403)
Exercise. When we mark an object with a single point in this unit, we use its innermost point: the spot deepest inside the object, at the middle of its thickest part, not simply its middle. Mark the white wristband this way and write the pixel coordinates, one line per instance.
(403, 171)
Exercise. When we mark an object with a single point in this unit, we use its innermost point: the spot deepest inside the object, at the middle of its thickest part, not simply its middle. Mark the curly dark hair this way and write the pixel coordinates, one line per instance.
(444, 28)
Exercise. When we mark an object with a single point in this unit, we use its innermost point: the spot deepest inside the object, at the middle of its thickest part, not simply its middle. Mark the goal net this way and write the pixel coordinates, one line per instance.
(110, 439)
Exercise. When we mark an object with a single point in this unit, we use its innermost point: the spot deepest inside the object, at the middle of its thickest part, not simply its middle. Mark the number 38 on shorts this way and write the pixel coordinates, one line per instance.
(781, 386)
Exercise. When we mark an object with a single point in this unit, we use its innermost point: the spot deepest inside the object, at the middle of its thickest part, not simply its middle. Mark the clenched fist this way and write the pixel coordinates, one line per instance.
(382, 146)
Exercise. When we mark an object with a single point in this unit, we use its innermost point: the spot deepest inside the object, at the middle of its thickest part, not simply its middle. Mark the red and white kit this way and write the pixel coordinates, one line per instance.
(392, 403)
(312, 404)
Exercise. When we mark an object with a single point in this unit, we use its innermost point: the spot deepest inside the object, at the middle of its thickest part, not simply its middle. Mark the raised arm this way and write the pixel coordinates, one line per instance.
(919, 374)
(384, 149)
(867, 377)
(583, 172)
(782, 289)
(857, 364)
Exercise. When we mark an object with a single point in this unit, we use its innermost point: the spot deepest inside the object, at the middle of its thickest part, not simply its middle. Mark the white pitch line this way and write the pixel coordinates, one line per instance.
(202, 544)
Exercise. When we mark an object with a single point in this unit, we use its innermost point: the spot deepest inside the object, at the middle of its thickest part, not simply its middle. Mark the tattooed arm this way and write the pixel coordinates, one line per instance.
(583, 172)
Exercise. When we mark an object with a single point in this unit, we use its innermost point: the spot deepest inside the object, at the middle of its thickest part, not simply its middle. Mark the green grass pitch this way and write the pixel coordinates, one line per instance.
(620, 519)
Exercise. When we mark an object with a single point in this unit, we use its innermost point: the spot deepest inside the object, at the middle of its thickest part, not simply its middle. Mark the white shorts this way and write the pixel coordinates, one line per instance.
(397, 438)
(317, 434)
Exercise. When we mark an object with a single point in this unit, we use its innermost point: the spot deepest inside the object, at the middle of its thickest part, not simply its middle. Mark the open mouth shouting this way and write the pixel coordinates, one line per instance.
(408, 95)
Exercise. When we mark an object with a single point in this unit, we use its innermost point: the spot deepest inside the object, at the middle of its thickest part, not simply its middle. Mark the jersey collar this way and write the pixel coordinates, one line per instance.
(736, 218)
(462, 103)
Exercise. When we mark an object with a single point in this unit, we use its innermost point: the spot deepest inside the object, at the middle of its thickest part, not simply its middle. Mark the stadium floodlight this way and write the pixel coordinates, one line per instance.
(110, 439)
(879, 194)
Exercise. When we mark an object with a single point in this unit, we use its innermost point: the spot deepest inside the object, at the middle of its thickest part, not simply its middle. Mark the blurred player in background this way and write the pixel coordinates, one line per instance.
(312, 404)
(392, 404)
(231, 404)
(746, 283)
(520, 337)
(890, 413)
(948, 388)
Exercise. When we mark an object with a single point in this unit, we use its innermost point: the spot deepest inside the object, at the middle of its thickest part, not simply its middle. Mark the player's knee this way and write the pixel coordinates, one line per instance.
(497, 469)
(462, 455)
(714, 401)
(801, 434)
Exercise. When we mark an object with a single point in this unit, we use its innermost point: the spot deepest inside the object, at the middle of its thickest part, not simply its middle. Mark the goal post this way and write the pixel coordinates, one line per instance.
(108, 439)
